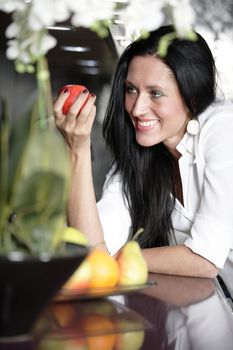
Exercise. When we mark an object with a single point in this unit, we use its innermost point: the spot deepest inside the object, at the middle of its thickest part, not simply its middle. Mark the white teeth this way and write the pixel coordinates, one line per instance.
(148, 123)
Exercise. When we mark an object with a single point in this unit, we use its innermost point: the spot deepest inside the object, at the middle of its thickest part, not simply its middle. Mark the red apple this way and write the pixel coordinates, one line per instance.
(74, 92)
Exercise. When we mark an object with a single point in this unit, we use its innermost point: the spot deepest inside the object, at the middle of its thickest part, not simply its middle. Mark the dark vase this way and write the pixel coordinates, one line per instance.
(27, 284)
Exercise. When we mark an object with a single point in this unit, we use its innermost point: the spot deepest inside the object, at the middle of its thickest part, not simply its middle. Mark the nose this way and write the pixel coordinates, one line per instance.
(140, 106)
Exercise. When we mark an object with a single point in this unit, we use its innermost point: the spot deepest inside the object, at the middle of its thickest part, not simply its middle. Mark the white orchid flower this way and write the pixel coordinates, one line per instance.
(86, 13)
(24, 57)
(12, 5)
(183, 16)
(12, 30)
(144, 15)
(18, 50)
(45, 13)
(31, 18)
(12, 51)
(43, 45)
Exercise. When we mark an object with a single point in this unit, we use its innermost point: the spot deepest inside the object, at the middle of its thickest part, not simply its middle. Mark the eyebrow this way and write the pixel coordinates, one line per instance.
(149, 87)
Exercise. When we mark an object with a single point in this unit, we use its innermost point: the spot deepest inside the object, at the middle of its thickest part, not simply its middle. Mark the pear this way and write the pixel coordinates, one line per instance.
(74, 236)
(129, 340)
(131, 332)
(132, 265)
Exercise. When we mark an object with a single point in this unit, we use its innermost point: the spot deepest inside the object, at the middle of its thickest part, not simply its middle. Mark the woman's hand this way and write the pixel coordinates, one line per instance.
(76, 126)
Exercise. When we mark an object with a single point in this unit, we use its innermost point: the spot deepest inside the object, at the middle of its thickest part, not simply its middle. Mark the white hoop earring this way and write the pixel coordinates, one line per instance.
(193, 127)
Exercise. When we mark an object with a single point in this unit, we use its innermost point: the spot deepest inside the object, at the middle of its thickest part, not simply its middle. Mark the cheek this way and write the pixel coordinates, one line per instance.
(129, 103)
(172, 111)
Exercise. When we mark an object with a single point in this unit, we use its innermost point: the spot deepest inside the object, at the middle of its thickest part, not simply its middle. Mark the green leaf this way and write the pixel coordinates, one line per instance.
(45, 151)
(35, 177)
(21, 129)
(39, 196)
(40, 191)
(40, 210)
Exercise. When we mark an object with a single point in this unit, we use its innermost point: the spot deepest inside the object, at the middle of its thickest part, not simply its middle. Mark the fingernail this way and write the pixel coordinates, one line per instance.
(65, 91)
(85, 91)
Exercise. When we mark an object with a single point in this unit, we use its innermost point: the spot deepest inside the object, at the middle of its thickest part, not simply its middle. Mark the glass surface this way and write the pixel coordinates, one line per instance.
(96, 321)
(92, 293)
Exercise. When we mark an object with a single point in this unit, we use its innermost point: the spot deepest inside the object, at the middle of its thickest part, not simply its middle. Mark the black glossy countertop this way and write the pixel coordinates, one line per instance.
(178, 313)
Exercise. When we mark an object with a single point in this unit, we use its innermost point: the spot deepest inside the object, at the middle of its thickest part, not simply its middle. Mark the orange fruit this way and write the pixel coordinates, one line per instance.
(94, 325)
(64, 313)
(105, 270)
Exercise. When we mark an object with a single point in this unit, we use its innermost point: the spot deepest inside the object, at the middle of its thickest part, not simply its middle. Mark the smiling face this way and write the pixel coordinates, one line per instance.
(154, 104)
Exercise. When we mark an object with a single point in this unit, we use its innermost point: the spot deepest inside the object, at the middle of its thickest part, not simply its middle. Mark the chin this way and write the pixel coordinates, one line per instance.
(146, 141)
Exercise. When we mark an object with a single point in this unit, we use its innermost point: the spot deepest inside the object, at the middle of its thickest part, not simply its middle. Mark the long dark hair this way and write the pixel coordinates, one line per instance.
(148, 173)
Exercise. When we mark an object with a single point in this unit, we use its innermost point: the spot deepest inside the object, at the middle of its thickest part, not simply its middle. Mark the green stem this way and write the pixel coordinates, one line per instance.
(164, 42)
(4, 164)
(45, 105)
(138, 232)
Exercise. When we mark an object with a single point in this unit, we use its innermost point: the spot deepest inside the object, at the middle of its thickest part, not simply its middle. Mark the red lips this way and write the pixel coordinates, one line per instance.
(74, 92)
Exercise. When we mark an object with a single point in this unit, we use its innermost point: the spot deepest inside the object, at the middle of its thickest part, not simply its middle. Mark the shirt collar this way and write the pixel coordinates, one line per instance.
(186, 144)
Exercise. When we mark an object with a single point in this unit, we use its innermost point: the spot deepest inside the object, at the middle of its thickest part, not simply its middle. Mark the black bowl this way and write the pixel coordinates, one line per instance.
(27, 284)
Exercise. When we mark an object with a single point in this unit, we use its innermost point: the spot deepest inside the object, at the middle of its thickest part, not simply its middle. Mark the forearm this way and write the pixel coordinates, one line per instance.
(180, 291)
(82, 209)
(76, 128)
(178, 260)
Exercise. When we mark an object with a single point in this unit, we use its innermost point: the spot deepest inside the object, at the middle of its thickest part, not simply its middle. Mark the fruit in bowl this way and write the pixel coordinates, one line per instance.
(81, 278)
(132, 265)
(105, 269)
(98, 270)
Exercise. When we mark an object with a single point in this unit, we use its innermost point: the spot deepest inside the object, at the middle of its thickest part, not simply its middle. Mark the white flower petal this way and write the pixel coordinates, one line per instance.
(183, 16)
(34, 22)
(183, 20)
(24, 57)
(143, 15)
(12, 30)
(62, 11)
(86, 13)
(46, 43)
(48, 12)
(10, 6)
(12, 51)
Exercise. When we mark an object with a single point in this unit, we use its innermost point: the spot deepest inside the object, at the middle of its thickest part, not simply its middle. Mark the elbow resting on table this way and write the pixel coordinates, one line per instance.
(205, 268)
(211, 271)
(208, 269)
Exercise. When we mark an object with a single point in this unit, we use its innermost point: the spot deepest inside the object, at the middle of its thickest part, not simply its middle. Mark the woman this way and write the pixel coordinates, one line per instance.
(172, 159)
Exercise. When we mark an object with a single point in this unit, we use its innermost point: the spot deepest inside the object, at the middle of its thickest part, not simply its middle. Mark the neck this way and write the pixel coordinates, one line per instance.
(174, 152)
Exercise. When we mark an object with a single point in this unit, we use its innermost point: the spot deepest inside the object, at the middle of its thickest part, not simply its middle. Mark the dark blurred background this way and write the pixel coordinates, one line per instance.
(93, 68)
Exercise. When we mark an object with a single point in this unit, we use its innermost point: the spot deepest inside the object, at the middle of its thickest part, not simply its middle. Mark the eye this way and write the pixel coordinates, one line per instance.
(130, 89)
(156, 94)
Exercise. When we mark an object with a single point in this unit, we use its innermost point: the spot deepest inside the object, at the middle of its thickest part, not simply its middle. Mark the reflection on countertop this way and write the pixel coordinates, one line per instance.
(173, 313)
(186, 313)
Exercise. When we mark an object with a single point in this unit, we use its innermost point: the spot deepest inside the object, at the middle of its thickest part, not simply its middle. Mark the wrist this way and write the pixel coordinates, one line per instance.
(77, 154)
(101, 246)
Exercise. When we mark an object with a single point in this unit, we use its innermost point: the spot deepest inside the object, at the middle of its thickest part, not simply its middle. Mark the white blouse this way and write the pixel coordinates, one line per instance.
(205, 222)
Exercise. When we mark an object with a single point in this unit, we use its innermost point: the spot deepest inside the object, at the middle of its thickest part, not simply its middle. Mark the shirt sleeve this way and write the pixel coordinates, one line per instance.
(212, 230)
(114, 214)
